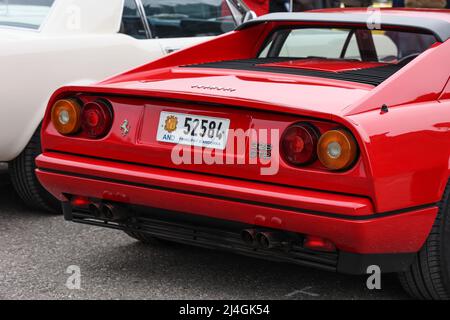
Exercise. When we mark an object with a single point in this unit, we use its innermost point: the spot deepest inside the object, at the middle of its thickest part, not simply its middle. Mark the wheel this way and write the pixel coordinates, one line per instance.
(428, 278)
(23, 177)
(146, 239)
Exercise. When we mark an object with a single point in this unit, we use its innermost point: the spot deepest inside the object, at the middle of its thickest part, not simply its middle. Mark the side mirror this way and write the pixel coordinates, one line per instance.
(249, 15)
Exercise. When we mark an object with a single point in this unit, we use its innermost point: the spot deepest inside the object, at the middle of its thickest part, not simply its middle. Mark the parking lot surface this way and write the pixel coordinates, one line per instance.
(38, 249)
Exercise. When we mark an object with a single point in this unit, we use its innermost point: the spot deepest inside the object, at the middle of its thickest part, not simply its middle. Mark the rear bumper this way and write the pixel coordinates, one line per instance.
(348, 221)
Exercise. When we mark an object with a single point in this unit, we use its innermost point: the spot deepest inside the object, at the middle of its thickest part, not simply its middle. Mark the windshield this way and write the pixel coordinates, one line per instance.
(387, 46)
(29, 14)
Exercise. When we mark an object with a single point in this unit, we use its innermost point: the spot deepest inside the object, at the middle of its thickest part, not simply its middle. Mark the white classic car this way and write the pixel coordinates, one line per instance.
(46, 44)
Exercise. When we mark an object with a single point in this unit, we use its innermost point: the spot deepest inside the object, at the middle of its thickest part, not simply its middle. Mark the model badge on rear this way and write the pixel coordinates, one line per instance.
(224, 89)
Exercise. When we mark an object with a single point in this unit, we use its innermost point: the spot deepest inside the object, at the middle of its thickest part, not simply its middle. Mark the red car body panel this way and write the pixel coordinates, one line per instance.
(446, 93)
(392, 93)
(246, 202)
(300, 199)
(386, 203)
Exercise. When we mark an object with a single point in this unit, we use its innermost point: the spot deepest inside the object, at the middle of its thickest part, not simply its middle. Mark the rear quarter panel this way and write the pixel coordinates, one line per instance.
(409, 149)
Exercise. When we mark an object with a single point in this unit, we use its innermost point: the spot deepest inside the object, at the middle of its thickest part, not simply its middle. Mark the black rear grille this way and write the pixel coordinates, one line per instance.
(204, 232)
(372, 76)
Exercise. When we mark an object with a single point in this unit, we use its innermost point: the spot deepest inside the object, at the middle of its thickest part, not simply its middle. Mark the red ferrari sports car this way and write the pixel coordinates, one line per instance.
(321, 139)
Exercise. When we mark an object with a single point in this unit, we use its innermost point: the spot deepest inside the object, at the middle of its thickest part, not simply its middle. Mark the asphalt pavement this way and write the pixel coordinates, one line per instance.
(40, 253)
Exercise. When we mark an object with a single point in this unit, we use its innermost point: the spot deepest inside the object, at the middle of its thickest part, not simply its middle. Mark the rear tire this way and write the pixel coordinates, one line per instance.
(23, 177)
(428, 278)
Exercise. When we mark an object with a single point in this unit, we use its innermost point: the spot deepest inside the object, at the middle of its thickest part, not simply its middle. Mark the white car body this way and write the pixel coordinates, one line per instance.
(78, 43)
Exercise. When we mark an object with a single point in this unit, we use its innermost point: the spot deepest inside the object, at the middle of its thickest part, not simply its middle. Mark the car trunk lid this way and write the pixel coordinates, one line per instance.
(309, 95)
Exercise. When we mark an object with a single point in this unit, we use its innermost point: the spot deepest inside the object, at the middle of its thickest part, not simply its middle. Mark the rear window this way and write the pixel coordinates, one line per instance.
(352, 44)
(28, 14)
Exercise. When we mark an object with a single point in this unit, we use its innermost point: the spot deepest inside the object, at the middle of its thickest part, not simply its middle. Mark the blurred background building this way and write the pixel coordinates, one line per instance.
(264, 6)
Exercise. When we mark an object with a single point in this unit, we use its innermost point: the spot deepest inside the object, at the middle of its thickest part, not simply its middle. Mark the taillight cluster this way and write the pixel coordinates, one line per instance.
(303, 144)
(299, 144)
(70, 117)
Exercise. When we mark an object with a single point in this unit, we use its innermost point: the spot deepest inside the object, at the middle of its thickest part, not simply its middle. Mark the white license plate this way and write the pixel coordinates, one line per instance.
(192, 130)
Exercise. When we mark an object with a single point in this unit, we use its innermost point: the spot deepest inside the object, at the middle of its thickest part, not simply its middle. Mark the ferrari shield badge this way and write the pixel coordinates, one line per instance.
(125, 128)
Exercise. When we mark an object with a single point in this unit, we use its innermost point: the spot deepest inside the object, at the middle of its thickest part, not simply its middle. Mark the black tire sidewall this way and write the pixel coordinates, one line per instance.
(23, 176)
(445, 244)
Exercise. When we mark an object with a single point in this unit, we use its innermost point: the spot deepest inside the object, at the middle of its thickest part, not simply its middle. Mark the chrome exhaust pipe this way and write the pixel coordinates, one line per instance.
(248, 236)
(108, 211)
(95, 210)
(268, 240)
(113, 212)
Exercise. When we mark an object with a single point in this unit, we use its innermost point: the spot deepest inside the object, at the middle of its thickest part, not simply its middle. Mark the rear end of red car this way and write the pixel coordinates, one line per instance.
(287, 186)
(271, 150)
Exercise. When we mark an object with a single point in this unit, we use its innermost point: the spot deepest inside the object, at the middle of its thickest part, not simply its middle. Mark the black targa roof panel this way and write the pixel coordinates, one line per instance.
(440, 28)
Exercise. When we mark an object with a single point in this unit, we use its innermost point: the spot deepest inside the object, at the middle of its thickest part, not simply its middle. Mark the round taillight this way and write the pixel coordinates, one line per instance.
(299, 144)
(96, 119)
(337, 150)
(66, 116)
